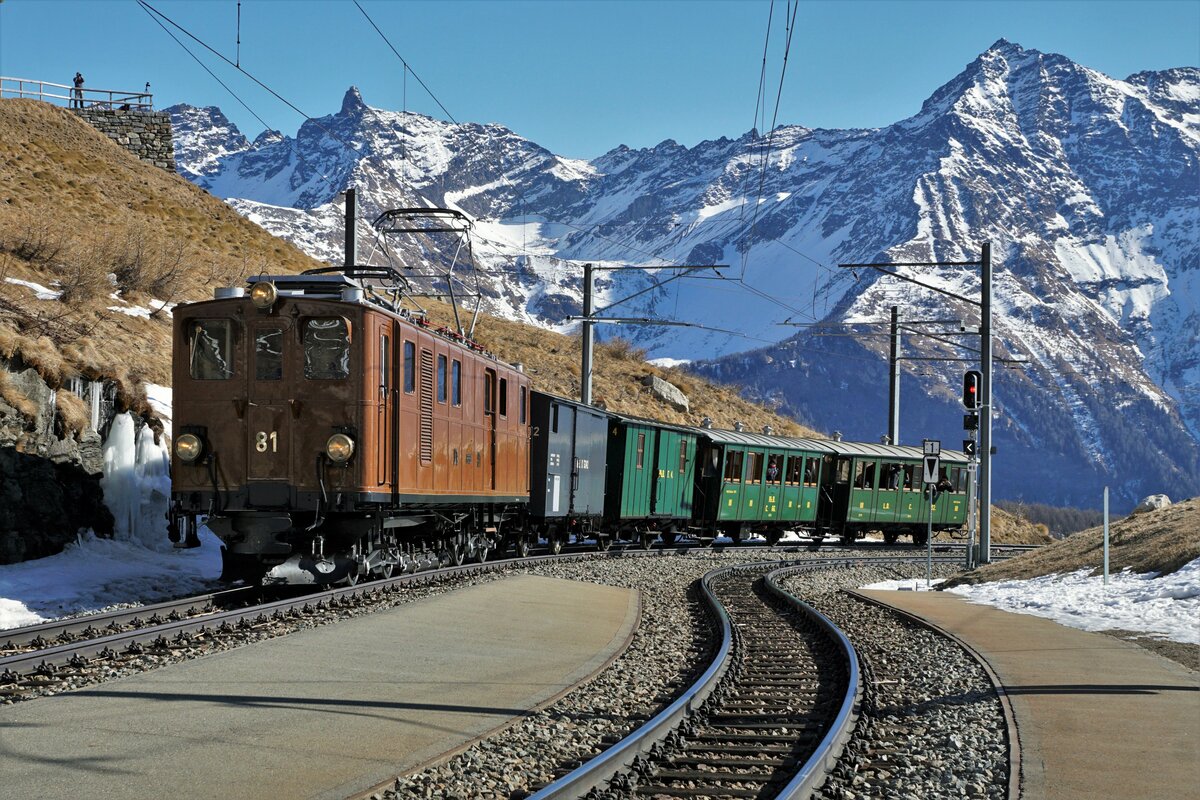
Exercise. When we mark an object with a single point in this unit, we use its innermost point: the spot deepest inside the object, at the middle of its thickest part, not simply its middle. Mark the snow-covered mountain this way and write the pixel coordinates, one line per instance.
(1088, 188)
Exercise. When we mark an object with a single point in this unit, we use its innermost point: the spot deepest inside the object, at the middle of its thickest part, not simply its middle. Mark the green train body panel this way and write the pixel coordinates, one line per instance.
(760, 497)
(675, 464)
(898, 498)
(651, 472)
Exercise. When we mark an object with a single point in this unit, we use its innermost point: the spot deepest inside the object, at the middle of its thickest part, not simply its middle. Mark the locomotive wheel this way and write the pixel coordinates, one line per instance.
(482, 552)
(523, 547)
(458, 553)
(556, 544)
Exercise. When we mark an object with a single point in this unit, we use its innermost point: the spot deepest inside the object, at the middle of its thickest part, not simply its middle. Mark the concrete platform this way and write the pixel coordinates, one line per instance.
(1096, 716)
(322, 713)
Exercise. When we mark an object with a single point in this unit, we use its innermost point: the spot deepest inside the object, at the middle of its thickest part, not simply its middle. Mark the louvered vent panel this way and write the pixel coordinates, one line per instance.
(426, 407)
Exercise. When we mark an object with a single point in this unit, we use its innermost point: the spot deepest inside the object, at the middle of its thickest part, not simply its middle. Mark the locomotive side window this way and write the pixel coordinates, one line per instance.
(504, 397)
(456, 382)
(754, 468)
(268, 354)
(326, 348)
(384, 364)
(441, 379)
(212, 349)
(410, 367)
(733, 466)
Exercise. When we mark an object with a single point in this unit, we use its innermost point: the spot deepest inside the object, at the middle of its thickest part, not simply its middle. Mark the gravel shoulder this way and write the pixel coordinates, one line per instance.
(931, 725)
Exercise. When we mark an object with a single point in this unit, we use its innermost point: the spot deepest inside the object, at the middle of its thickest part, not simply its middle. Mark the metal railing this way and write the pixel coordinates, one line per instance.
(63, 94)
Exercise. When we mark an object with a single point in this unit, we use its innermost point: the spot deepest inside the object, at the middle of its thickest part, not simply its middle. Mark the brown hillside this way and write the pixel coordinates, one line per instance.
(1157, 541)
(1007, 528)
(75, 209)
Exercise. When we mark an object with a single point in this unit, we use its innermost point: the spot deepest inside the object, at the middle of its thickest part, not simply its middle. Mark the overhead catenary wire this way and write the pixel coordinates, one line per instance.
(204, 66)
(407, 68)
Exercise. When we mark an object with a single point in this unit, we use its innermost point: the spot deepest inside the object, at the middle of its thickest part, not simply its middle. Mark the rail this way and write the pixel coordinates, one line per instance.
(108, 99)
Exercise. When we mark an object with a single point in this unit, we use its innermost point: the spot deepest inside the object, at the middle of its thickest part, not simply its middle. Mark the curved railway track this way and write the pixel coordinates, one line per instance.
(767, 719)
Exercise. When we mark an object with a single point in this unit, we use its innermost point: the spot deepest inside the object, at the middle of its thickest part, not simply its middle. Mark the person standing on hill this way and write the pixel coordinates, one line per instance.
(77, 94)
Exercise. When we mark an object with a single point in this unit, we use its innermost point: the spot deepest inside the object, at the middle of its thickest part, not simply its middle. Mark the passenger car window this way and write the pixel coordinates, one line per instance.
(326, 348)
(754, 462)
(212, 349)
(641, 449)
(733, 466)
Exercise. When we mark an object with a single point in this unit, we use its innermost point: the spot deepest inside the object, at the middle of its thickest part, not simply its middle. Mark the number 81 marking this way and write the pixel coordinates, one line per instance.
(260, 441)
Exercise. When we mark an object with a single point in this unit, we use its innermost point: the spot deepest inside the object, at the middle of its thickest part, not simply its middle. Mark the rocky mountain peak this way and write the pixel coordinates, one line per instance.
(352, 103)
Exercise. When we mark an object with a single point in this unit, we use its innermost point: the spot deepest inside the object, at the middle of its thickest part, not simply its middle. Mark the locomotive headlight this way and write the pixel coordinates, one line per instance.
(189, 447)
(264, 294)
(339, 448)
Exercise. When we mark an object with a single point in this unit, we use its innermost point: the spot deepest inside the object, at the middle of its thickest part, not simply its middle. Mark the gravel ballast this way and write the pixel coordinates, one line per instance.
(931, 725)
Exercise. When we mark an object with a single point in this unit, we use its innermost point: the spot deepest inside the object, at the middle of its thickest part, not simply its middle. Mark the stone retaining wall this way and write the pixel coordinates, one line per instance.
(146, 134)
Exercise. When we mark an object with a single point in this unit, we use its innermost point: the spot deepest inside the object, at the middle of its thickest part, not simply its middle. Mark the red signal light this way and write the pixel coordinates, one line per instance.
(972, 383)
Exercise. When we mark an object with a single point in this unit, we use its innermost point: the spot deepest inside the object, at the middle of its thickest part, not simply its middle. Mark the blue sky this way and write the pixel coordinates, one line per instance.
(581, 77)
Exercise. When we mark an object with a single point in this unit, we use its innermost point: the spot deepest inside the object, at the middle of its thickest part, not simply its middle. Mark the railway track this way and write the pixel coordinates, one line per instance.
(39, 651)
(767, 719)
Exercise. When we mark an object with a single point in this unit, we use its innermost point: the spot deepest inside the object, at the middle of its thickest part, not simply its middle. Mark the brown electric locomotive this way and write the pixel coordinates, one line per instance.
(326, 434)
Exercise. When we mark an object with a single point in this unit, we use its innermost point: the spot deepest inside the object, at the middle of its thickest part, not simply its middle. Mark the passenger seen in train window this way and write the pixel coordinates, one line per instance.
(773, 469)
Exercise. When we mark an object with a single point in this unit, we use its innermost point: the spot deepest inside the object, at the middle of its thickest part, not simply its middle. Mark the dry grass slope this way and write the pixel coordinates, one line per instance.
(1157, 541)
(76, 208)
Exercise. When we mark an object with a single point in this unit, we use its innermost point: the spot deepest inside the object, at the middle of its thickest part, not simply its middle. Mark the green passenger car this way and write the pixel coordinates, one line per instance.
(758, 483)
(651, 478)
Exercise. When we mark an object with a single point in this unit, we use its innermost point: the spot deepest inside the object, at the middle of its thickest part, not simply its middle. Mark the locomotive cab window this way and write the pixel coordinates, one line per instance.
(268, 354)
(441, 379)
(212, 349)
(456, 382)
(733, 466)
(326, 348)
(504, 397)
(524, 404)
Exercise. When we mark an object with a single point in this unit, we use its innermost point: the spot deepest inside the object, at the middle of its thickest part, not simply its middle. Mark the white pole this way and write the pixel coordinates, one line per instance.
(1106, 536)
(929, 541)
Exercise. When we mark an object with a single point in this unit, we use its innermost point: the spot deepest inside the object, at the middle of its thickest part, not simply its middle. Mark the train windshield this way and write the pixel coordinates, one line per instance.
(326, 348)
(212, 350)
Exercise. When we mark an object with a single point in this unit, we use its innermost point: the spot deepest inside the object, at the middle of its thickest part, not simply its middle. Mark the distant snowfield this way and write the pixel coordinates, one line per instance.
(1166, 606)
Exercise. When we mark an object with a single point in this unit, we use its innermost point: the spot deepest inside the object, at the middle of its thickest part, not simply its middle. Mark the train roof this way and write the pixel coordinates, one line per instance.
(822, 445)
